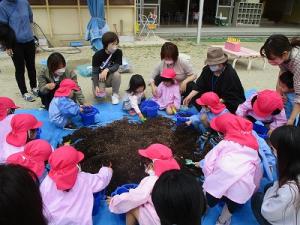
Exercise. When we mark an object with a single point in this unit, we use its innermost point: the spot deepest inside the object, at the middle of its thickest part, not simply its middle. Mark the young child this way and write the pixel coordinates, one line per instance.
(7, 109)
(211, 108)
(134, 95)
(167, 94)
(24, 128)
(265, 106)
(286, 86)
(137, 203)
(62, 108)
(178, 199)
(68, 193)
(106, 63)
(280, 202)
(34, 157)
(232, 168)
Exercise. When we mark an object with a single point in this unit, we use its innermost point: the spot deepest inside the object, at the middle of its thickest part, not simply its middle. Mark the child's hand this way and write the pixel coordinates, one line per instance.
(108, 200)
(142, 118)
(81, 108)
(188, 123)
(103, 75)
(50, 86)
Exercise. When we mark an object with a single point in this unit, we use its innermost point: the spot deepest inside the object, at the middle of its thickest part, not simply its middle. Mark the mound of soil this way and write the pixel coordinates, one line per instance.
(119, 142)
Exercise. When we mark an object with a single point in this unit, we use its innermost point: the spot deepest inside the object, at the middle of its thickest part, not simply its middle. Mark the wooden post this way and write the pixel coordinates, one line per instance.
(49, 18)
(79, 18)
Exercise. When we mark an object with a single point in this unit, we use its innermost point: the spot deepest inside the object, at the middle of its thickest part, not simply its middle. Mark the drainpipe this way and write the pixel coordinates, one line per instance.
(201, 3)
(187, 13)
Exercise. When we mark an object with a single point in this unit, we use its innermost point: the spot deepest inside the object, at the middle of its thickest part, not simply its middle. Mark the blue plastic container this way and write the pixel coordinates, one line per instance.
(98, 197)
(182, 117)
(88, 115)
(38, 133)
(261, 130)
(123, 189)
(149, 108)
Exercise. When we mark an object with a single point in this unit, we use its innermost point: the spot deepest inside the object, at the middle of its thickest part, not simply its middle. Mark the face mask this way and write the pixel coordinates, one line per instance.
(112, 49)
(214, 68)
(60, 72)
(169, 62)
(150, 172)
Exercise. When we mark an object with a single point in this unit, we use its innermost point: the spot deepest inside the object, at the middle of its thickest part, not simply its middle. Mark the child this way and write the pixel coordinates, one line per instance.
(232, 168)
(265, 106)
(68, 193)
(211, 108)
(34, 156)
(24, 128)
(137, 203)
(286, 86)
(167, 94)
(20, 193)
(106, 63)
(134, 95)
(280, 203)
(178, 199)
(62, 107)
(51, 76)
(7, 108)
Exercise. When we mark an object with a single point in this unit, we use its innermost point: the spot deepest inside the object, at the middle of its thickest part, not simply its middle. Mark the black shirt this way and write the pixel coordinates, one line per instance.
(227, 86)
(100, 58)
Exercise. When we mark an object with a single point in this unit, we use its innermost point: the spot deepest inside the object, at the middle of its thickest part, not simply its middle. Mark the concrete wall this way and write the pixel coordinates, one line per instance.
(69, 22)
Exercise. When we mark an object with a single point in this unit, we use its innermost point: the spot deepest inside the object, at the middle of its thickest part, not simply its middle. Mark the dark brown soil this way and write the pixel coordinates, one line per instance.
(119, 142)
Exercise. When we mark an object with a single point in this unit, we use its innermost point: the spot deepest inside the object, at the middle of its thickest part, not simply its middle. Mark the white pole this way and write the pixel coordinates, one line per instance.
(187, 13)
(200, 16)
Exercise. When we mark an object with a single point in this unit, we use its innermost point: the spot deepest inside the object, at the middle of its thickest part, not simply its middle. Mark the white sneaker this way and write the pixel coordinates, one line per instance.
(35, 92)
(28, 97)
(115, 99)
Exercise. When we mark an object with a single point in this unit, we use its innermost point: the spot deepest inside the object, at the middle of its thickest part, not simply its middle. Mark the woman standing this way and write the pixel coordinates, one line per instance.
(220, 77)
(170, 59)
(18, 16)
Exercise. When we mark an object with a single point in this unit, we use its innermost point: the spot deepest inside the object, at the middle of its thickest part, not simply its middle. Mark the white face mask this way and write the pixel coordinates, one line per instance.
(214, 68)
(150, 172)
(112, 49)
(60, 72)
(169, 62)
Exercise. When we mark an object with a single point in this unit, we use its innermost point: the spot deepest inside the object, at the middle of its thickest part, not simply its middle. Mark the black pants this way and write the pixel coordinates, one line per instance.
(189, 87)
(24, 54)
(232, 206)
(47, 98)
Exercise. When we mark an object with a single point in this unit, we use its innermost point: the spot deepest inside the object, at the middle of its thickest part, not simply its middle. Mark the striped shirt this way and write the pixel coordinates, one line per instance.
(293, 65)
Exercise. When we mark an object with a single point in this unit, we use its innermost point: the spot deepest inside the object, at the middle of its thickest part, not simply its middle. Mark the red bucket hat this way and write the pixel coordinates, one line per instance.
(65, 88)
(162, 158)
(212, 101)
(235, 129)
(168, 73)
(20, 124)
(63, 163)
(33, 157)
(5, 104)
(267, 102)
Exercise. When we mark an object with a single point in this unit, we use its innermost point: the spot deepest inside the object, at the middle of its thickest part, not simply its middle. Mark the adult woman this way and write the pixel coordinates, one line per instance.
(50, 78)
(280, 203)
(170, 59)
(285, 54)
(18, 16)
(20, 198)
(220, 77)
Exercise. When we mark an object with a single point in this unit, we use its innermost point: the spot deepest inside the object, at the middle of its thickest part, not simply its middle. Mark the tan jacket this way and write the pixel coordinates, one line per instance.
(44, 78)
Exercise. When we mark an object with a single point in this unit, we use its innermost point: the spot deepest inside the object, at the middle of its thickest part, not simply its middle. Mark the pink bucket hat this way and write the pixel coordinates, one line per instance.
(63, 163)
(20, 124)
(65, 88)
(236, 129)
(212, 101)
(5, 104)
(168, 73)
(33, 157)
(162, 158)
(267, 102)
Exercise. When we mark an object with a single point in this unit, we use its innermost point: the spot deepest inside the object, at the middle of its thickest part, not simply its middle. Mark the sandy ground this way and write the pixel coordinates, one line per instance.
(143, 60)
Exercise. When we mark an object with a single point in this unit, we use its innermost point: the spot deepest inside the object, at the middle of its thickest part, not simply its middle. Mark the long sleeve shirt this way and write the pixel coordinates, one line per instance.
(45, 78)
(132, 101)
(61, 109)
(281, 204)
(227, 86)
(275, 121)
(18, 15)
(99, 60)
(74, 206)
(168, 95)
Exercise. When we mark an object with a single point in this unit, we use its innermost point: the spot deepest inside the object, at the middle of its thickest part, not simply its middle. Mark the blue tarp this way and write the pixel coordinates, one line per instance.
(97, 26)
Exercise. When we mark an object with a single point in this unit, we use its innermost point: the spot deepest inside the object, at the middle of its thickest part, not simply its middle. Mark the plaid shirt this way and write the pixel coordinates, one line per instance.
(293, 65)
